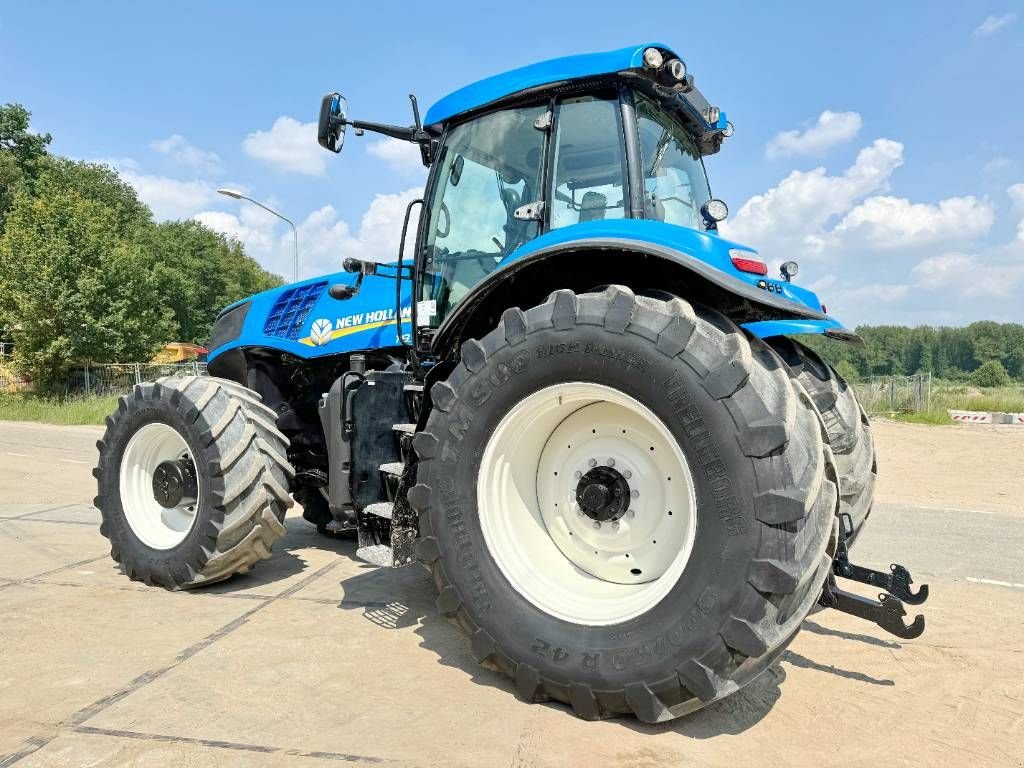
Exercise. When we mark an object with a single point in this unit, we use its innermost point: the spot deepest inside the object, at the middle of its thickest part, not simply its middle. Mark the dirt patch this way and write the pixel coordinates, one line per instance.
(957, 467)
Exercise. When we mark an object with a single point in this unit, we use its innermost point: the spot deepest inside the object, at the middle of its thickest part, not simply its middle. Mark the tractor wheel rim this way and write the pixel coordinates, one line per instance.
(157, 526)
(576, 552)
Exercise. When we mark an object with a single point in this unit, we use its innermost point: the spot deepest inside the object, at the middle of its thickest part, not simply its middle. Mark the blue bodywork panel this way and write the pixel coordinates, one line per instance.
(765, 329)
(542, 73)
(304, 320)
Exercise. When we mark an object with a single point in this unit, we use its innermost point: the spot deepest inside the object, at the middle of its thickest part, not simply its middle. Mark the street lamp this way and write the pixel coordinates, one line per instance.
(295, 233)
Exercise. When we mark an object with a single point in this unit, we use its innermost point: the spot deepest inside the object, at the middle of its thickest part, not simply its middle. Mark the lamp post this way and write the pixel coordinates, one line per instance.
(295, 233)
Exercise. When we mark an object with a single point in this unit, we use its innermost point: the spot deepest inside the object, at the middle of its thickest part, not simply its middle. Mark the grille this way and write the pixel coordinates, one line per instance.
(291, 310)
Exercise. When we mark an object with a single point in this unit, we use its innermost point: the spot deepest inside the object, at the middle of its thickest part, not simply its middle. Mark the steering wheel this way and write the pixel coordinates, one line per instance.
(442, 233)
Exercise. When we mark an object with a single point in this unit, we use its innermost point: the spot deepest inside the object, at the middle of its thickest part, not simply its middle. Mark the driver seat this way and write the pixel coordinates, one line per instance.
(592, 206)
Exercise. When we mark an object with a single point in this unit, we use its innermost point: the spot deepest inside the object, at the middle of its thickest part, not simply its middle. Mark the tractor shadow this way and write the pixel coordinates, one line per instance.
(285, 560)
(404, 598)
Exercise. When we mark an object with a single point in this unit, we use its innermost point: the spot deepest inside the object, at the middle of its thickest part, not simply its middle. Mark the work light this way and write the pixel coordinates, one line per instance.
(653, 58)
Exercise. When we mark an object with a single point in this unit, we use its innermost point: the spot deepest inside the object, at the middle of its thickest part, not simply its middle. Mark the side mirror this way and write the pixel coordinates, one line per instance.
(330, 132)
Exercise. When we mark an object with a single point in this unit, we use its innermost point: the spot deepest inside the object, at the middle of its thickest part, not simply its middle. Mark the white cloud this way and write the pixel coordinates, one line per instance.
(403, 157)
(997, 164)
(832, 128)
(1016, 193)
(894, 222)
(289, 146)
(969, 275)
(324, 239)
(170, 198)
(993, 24)
(790, 219)
(178, 148)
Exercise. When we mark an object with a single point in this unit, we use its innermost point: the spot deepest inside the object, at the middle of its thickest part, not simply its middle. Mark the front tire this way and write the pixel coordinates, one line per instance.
(192, 480)
(751, 468)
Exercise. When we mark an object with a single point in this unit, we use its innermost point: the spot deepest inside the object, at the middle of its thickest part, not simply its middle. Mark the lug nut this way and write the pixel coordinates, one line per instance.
(615, 525)
(592, 463)
(635, 494)
(627, 474)
(630, 513)
(611, 462)
(597, 525)
(578, 474)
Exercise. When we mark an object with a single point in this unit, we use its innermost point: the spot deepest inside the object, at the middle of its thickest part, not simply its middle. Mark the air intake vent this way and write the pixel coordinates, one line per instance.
(291, 310)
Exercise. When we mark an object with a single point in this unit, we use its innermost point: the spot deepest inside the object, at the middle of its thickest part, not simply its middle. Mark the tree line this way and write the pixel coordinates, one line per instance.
(986, 353)
(86, 274)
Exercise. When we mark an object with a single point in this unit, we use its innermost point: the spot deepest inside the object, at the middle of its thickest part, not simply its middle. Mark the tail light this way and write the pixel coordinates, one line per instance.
(748, 261)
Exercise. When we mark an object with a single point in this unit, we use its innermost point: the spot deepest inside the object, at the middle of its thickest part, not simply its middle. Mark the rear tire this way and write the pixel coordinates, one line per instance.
(763, 488)
(849, 432)
(230, 446)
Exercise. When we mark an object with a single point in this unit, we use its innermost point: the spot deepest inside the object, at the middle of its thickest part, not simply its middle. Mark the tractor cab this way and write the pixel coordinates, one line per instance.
(591, 138)
(505, 177)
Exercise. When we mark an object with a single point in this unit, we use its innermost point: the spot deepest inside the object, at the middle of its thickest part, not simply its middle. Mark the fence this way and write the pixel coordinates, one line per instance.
(888, 394)
(119, 378)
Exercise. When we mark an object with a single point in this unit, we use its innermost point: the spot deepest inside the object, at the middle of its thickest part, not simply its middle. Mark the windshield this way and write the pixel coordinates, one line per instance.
(488, 168)
(675, 184)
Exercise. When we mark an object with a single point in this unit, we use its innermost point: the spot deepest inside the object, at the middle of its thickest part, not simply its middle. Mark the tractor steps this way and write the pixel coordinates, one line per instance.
(375, 554)
(403, 438)
(379, 509)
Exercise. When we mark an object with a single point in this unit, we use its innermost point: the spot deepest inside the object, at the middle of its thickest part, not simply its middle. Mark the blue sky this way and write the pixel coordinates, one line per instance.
(878, 144)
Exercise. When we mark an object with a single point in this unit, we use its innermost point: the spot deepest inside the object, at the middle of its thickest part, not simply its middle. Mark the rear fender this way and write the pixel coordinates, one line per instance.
(640, 254)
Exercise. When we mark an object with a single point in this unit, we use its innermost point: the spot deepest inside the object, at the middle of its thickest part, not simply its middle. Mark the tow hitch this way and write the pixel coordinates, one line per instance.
(888, 611)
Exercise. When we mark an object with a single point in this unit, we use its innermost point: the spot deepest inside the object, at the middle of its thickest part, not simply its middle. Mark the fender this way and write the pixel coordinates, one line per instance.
(686, 254)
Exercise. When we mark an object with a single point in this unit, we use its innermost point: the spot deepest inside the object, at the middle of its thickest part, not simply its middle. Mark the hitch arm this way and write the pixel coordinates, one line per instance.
(887, 613)
(897, 582)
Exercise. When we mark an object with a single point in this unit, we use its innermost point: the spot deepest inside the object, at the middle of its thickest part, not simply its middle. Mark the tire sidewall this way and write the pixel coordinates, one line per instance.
(154, 407)
(685, 623)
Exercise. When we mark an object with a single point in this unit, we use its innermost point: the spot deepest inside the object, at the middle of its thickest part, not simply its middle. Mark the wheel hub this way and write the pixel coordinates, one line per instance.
(603, 494)
(586, 503)
(174, 483)
(159, 485)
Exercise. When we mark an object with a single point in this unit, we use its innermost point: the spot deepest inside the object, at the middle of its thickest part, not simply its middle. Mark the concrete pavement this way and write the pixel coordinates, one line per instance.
(316, 658)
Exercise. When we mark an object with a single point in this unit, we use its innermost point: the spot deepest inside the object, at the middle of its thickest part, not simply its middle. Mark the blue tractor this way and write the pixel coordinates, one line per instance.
(575, 403)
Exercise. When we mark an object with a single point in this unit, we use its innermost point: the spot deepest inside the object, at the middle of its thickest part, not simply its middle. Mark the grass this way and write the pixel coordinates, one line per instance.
(55, 410)
(946, 396)
(966, 398)
(940, 417)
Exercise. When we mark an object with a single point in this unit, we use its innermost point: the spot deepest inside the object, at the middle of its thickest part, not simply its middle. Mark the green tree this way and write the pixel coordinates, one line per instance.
(76, 280)
(200, 272)
(21, 154)
(848, 371)
(990, 374)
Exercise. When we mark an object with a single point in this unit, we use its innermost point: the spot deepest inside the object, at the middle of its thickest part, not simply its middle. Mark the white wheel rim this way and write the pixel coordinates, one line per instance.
(156, 526)
(549, 550)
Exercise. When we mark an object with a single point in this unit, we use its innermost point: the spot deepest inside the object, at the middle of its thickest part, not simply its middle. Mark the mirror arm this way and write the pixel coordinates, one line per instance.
(394, 131)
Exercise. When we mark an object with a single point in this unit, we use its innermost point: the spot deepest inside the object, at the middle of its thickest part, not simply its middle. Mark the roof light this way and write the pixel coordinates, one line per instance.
(789, 270)
(747, 261)
(729, 129)
(715, 210)
(712, 115)
(653, 58)
(677, 69)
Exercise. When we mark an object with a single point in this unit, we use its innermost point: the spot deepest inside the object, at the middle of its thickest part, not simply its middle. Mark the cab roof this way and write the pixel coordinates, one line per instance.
(497, 87)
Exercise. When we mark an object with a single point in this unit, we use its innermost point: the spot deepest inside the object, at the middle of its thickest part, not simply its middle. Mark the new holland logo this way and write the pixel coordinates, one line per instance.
(320, 333)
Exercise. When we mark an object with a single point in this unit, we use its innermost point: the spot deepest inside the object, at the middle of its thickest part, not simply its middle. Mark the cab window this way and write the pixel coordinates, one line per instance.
(588, 176)
(675, 184)
(489, 167)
